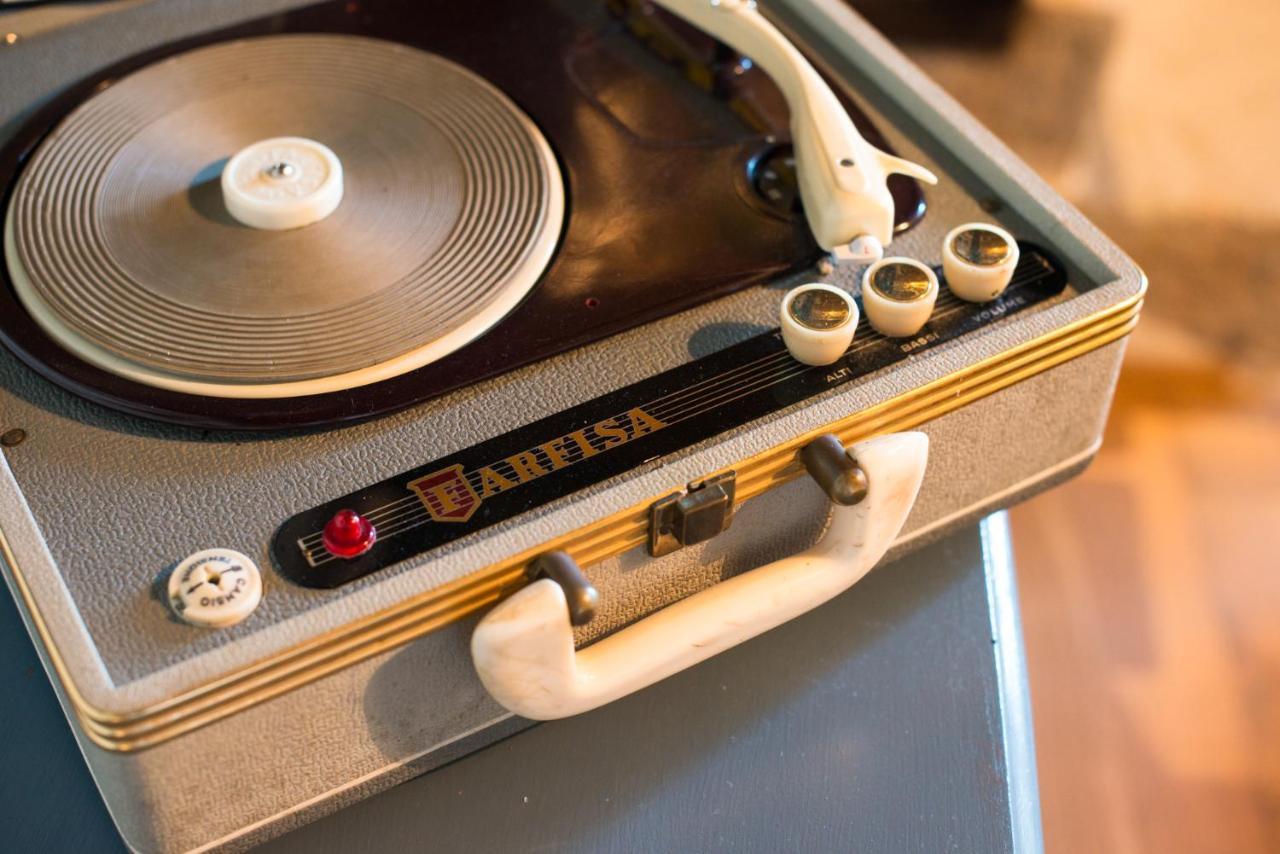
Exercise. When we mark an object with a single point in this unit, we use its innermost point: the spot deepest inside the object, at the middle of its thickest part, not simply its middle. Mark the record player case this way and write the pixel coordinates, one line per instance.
(329, 693)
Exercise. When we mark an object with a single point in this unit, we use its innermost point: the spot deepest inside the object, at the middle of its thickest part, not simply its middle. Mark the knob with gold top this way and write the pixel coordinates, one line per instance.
(818, 322)
(898, 295)
(978, 260)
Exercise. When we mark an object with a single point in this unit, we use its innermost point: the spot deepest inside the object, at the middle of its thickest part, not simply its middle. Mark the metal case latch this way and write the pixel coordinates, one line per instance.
(692, 516)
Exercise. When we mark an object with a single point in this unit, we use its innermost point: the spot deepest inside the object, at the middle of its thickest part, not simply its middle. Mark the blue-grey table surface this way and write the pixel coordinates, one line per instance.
(895, 718)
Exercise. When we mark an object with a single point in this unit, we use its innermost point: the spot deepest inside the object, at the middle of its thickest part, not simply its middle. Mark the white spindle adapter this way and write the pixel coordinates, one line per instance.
(282, 183)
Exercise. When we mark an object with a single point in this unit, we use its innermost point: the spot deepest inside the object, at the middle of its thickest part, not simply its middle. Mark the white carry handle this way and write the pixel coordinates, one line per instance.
(842, 176)
(523, 649)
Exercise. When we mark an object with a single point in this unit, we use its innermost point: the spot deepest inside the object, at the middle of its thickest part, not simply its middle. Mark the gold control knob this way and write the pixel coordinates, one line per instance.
(978, 261)
(898, 295)
(818, 322)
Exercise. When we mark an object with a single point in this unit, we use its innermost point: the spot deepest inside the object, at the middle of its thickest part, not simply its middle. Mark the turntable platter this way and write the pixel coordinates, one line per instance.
(120, 245)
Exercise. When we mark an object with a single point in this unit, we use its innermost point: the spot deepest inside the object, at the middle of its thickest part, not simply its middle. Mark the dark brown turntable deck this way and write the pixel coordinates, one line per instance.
(664, 204)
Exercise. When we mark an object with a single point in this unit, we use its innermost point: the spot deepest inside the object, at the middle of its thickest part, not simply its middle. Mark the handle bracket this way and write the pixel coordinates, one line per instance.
(837, 473)
(579, 594)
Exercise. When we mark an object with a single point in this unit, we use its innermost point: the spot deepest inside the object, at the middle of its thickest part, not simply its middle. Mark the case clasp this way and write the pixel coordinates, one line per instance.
(692, 516)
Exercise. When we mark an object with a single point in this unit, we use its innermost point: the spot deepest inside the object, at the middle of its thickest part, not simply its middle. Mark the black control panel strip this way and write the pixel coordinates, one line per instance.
(440, 501)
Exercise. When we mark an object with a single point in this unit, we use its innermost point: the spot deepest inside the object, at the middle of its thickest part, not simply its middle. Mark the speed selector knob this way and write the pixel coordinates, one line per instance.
(215, 588)
(818, 322)
(978, 261)
(898, 295)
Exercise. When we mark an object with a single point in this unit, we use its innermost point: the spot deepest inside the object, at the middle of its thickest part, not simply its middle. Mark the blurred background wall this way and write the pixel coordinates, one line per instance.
(1151, 585)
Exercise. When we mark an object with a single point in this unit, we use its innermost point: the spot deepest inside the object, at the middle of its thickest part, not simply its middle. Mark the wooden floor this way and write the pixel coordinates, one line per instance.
(1151, 604)
(1150, 585)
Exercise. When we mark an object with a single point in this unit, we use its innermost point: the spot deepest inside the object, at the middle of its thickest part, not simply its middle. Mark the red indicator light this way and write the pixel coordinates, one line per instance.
(348, 534)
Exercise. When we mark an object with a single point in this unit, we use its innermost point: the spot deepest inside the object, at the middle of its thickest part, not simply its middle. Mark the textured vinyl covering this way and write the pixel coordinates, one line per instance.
(119, 500)
(176, 490)
(405, 712)
(113, 501)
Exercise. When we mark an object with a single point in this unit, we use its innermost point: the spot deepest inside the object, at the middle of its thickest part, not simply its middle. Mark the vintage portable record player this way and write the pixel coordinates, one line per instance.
(365, 360)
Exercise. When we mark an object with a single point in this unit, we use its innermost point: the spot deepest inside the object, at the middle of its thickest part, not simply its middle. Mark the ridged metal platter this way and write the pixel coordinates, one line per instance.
(119, 245)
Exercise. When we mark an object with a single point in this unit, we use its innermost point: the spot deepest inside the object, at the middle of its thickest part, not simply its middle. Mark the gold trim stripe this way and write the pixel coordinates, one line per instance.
(415, 617)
